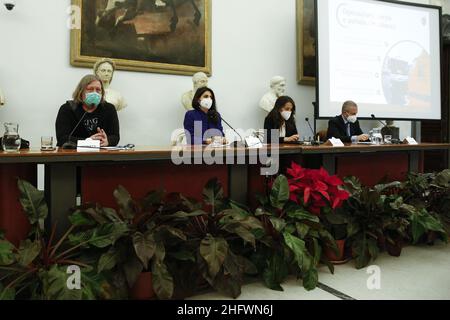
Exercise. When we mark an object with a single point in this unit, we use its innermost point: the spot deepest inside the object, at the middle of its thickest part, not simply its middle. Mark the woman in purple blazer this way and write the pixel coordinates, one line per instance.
(204, 122)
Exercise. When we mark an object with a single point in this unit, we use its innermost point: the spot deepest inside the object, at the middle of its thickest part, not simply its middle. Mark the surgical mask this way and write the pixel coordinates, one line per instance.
(352, 119)
(92, 99)
(206, 103)
(286, 115)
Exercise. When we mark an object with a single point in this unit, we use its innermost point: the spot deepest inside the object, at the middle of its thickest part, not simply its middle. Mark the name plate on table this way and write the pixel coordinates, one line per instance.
(335, 142)
(88, 145)
(253, 142)
(410, 140)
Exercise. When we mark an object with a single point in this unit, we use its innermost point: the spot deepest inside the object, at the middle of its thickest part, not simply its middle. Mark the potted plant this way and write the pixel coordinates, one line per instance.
(431, 192)
(294, 241)
(321, 194)
(379, 219)
(37, 269)
(364, 211)
(336, 224)
(138, 239)
(219, 233)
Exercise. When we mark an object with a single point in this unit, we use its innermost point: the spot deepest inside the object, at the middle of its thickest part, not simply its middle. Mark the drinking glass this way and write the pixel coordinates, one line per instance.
(47, 143)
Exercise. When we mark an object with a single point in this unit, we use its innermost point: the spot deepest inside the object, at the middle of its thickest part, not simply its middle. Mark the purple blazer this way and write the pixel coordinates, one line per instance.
(198, 128)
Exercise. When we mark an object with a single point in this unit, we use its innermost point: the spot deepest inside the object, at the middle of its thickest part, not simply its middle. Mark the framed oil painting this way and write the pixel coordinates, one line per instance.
(163, 36)
(306, 42)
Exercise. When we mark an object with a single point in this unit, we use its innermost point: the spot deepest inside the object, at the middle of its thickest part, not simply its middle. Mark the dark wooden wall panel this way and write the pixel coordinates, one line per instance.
(438, 131)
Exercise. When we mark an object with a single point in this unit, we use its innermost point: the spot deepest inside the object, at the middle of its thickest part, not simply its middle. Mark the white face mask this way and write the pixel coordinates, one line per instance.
(352, 119)
(206, 103)
(286, 115)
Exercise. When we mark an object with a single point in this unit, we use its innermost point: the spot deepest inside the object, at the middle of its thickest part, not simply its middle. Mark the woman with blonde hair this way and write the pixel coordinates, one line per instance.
(88, 115)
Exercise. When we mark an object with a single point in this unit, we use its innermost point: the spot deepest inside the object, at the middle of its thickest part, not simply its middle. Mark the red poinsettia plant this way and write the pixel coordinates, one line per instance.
(315, 188)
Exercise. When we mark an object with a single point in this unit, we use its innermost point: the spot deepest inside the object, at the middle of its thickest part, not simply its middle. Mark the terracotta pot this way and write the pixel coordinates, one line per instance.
(331, 255)
(143, 287)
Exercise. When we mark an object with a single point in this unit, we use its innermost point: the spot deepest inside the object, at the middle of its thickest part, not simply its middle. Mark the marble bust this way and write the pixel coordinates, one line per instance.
(104, 69)
(199, 80)
(277, 89)
(2, 98)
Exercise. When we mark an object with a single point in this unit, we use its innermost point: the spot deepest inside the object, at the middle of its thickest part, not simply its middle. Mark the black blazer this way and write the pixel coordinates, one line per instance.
(269, 125)
(338, 129)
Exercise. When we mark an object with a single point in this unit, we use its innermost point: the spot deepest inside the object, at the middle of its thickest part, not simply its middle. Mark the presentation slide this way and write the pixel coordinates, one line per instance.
(384, 56)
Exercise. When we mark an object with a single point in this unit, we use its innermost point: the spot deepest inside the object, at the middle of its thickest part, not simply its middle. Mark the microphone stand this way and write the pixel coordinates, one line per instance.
(235, 143)
(313, 142)
(374, 118)
(384, 124)
(70, 144)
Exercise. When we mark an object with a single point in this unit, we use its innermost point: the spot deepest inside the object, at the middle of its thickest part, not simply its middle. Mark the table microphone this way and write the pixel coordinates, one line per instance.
(313, 142)
(70, 144)
(384, 125)
(235, 143)
(374, 118)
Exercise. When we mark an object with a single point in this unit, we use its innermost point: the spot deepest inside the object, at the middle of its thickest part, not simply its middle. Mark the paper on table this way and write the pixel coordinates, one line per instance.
(410, 140)
(88, 145)
(253, 142)
(336, 142)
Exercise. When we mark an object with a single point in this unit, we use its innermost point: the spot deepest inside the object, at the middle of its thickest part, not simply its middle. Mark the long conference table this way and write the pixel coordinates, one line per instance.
(93, 176)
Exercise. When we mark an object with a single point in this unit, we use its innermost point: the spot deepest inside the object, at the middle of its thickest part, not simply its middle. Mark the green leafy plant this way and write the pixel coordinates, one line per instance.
(378, 218)
(219, 231)
(37, 269)
(430, 191)
(137, 238)
(295, 239)
(364, 210)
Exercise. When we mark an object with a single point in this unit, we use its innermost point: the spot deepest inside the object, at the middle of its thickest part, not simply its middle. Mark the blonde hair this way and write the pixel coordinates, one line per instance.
(102, 61)
(84, 82)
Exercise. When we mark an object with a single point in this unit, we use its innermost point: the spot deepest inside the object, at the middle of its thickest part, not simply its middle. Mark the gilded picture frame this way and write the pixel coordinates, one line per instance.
(306, 42)
(160, 36)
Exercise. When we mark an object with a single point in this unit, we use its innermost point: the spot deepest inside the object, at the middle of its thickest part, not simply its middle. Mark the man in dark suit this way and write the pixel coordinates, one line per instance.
(346, 126)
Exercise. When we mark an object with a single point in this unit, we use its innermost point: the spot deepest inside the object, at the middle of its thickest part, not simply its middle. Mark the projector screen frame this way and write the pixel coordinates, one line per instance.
(441, 40)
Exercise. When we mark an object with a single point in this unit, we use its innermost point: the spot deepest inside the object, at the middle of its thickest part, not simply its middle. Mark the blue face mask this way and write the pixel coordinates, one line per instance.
(92, 99)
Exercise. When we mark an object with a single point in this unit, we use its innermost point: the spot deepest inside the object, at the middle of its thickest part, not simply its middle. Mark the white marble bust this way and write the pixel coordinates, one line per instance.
(2, 98)
(104, 69)
(277, 89)
(199, 80)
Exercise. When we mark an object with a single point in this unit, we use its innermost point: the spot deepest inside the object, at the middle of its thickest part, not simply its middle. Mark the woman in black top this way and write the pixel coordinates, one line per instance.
(282, 118)
(88, 115)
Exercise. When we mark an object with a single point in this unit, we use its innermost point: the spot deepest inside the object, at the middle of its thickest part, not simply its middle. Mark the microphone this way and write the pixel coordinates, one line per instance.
(374, 118)
(389, 130)
(70, 144)
(313, 142)
(235, 142)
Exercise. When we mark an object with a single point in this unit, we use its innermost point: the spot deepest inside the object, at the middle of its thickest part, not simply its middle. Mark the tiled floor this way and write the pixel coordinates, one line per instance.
(421, 272)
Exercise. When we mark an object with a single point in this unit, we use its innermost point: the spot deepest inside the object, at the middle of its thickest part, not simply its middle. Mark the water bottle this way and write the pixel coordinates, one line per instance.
(377, 138)
(11, 139)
